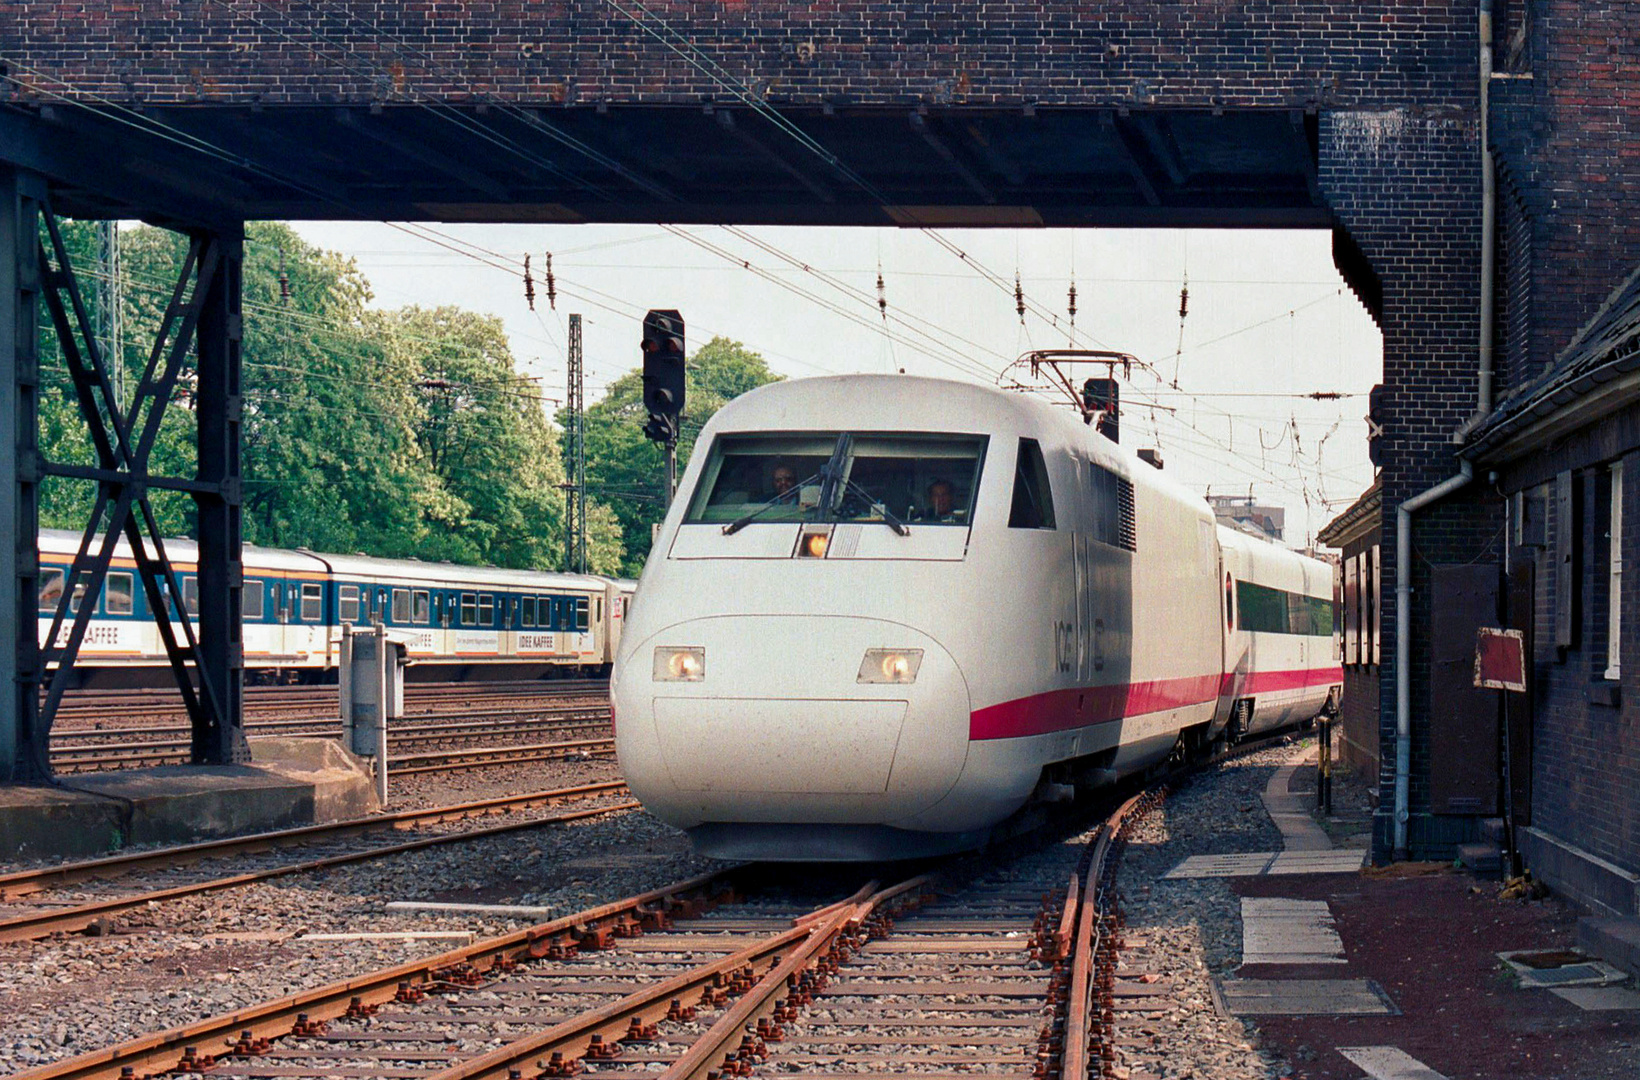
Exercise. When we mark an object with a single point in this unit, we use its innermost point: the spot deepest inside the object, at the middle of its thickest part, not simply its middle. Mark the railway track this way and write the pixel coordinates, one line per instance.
(420, 698)
(48, 915)
(719, 976)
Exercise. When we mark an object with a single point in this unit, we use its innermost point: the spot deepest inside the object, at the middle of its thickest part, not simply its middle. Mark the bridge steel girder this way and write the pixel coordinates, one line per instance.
(22, 750)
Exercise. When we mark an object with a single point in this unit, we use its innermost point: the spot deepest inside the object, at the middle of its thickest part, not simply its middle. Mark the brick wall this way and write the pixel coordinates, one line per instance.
(1378, 53)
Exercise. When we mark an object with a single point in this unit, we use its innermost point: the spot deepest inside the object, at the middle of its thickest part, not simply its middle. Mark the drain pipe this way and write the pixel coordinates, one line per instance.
(1466, 469)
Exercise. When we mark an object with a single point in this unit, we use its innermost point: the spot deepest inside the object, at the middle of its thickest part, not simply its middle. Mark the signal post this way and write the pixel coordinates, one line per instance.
(663, 386)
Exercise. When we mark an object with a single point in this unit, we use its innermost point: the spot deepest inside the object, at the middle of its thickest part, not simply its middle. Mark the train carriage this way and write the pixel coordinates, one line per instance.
(449, 620)
(885, 612)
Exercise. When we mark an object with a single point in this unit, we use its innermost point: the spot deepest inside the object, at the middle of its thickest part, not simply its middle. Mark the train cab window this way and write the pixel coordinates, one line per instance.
(347, 603)
(486, 610)
(401, 605)
(421, 607)
(250, 599)
(887, 477)
(190, 595)
(51, 590)
(529, 612)
(312, 601)
(580, 613)
(1032, 506)
(469, 609)
(117, 597)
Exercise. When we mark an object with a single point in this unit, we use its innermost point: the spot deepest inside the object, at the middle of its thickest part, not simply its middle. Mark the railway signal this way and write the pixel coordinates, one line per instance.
(663, 384)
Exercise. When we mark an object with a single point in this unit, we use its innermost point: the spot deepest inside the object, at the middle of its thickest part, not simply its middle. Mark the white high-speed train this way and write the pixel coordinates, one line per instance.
(885, 612)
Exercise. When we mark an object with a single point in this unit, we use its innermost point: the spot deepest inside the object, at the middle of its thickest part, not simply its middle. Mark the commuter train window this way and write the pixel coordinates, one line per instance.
(347, 603)
(469, 609)
(401, 605)
(51, 590)
(250, 599)
(190, 595)
(580, 613)
(486, 610)
(906, 477)
(1033, 497)
(529, 613)
(548, 611)
(312, 601)
(117, 597)
(78, 595)
(1263, 610)
(421, 607)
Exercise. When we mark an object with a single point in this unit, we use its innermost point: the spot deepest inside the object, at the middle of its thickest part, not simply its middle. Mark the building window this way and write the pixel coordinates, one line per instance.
(1614, 593)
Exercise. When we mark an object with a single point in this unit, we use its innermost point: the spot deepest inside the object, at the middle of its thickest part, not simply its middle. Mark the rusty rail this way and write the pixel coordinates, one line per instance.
(67, 920)
(246, 1031)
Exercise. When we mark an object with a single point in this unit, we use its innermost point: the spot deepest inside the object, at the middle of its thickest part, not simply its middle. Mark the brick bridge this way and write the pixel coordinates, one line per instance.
(1363, 118)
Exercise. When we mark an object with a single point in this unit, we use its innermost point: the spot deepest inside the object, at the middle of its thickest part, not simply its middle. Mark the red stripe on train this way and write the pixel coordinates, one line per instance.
(1060, 710)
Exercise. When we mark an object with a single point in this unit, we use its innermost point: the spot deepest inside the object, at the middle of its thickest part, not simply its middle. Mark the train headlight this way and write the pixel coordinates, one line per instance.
(812, 542)
(890, 666)
(680, 664)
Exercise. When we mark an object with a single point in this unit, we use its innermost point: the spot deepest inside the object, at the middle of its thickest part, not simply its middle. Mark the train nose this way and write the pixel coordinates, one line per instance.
(790, 719)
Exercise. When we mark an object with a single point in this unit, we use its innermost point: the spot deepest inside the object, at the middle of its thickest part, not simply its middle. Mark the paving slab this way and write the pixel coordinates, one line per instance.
(1599, 998)
(1305, 997)
(1589, 972)
(1278, 931)
(1389, 1063)
(1241, 864)
(1334, 861)
(1291, 812)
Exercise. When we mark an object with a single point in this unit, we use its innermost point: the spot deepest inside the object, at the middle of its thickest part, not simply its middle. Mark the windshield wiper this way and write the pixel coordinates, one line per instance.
(793, 491)
(889, 518)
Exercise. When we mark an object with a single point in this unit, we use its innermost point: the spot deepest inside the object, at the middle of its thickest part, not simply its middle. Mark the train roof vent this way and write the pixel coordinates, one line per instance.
(1127, 526)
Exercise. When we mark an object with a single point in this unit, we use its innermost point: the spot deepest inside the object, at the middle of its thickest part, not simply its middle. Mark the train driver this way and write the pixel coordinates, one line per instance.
(785, 478)
(941, 498)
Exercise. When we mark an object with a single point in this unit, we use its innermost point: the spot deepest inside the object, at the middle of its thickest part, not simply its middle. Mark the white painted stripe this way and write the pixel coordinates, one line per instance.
(1389, 1063)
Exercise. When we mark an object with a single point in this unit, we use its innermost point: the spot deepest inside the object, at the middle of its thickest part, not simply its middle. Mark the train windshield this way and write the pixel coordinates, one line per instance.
(898, 477)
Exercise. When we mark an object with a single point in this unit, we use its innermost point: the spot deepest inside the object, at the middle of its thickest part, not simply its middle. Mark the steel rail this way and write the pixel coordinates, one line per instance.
(40, 924)
(445, 760)
(650, 1005)
(301, 1013)
(497, 718)
(25, 882)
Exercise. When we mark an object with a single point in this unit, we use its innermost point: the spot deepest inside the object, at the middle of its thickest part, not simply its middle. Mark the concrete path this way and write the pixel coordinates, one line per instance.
(1291, 813)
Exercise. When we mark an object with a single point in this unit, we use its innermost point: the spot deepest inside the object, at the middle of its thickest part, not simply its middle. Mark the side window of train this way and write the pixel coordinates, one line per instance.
(598, 608)
(117, 599)
(190, 595)
(529, 612)
(312, 601)
(401, 605)
(347, 603)
(1033, 498)
(1229, 602)
(469, 608)
(421, 608)
(486, 610)
(250, 599)
(580, 613)
(51, 589)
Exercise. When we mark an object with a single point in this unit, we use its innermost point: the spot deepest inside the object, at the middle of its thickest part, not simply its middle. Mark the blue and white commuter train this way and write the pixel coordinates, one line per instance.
(452, 621)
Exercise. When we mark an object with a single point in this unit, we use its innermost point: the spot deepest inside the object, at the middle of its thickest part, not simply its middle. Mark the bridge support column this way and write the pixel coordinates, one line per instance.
(22, 746)
(221, 739)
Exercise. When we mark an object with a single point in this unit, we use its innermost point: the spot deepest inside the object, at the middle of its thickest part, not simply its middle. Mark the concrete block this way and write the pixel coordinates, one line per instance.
(1481, 858)
(1614, 940)
(291, 782)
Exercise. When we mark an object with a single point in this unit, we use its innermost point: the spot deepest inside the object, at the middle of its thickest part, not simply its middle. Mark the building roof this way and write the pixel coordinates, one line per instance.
(1594, 375)
(1363, 515)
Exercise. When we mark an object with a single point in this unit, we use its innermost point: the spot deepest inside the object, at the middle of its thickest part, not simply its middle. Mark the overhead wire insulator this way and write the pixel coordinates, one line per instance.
(552, 285)
(1184, 300)
(284, 280)
(529, 284)
(1019, 298)
(882, 296)
(1070, 306)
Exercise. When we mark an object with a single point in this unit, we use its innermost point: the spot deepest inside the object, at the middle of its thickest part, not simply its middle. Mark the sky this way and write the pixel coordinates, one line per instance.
(1221, 392)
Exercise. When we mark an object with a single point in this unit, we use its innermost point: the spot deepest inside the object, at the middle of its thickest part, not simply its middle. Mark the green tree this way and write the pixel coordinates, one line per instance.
(626, 470)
